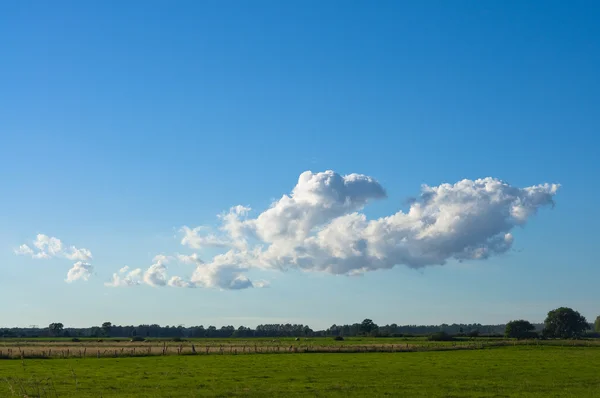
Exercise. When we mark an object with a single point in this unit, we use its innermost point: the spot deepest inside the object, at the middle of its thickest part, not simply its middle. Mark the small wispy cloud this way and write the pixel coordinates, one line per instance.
(46, 247)
(126, 277)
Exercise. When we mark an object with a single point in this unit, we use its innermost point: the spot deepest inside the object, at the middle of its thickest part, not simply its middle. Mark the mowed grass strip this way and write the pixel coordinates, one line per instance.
(542, 371)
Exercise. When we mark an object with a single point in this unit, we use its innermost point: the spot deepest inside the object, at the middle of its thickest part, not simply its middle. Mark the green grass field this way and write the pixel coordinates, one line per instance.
(536, 371)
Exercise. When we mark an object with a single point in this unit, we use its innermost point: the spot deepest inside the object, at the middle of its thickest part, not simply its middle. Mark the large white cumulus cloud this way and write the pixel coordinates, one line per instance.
(466, 220)
(319, 227)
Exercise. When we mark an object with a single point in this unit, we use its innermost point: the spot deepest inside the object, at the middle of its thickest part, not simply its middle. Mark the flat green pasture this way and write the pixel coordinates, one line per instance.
(532, 371)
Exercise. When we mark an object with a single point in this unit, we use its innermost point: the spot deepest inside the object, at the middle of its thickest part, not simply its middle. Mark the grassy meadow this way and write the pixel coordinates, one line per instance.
(532, 371)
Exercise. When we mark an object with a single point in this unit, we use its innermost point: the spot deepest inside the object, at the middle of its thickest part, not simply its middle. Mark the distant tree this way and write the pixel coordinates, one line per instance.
(519, 329)
(565, 323)
(367, 326)
(56, 328)
(473, 333)
(106, 326)
(95, 331)
(211, 331)
(597, 324)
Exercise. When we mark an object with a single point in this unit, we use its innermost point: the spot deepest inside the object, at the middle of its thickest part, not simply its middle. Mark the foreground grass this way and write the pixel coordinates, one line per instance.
(542, 371)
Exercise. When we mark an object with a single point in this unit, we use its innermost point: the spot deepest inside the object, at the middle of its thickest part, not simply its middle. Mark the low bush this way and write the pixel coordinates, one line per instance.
(440, 336)
(137, 338)
(338, 338)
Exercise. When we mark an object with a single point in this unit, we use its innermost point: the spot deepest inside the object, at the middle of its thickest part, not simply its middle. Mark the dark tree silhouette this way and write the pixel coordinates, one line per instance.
(367, 326)
(56, 328)
(106, 326)
(519, 329)
(565, 323)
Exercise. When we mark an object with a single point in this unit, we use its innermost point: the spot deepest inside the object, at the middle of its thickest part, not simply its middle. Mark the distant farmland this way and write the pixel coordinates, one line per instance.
(532, 371)
(288, 367)
(52, 348)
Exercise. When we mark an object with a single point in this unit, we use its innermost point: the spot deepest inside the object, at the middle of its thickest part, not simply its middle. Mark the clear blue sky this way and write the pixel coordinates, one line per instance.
(121, 122)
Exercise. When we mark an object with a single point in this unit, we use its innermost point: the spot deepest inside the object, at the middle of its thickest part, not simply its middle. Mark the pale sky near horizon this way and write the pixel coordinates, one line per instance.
(237, 163)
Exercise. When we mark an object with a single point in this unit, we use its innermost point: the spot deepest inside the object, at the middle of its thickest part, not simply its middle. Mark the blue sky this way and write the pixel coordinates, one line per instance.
(122, 122)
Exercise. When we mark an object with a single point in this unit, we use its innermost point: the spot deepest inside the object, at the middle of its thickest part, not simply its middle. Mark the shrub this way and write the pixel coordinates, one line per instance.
(75, 340)
(137, 338)
(440, 336)
(473, 333)
(338, 338)
(177, 339)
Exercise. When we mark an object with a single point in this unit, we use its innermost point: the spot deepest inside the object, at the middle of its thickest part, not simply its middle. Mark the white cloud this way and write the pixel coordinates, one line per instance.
(235, 227)
(189, 259)
(318, 227)
(125, 277)
(261, 284)
(48, 247)
(193, 238)
(223, 272)
(316, 199)
(466, 220)
(79, 271)
(42, 255)
(177, 281)
(24, 250)
(52, 246)
(156, 275)
(78, 254)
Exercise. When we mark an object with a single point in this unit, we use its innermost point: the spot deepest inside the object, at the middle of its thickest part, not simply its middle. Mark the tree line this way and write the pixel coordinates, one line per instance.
(560, 323)
(365, 328)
